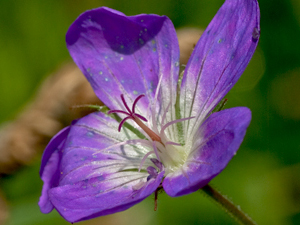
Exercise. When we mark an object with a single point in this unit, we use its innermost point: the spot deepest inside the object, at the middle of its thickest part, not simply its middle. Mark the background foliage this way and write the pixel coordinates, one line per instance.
(264, 176)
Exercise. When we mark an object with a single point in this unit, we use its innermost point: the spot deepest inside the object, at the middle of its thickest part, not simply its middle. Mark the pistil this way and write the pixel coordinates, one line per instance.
(148, 131)
(169, 153)
(131, 114)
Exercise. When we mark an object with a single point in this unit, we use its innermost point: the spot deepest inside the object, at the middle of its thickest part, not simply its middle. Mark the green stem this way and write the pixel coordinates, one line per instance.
(234, 211)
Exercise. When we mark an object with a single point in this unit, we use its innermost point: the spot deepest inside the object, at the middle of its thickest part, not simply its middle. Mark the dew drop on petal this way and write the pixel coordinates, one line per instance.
(99, 192)
(100, 178)
(90, 134)
(141, 41)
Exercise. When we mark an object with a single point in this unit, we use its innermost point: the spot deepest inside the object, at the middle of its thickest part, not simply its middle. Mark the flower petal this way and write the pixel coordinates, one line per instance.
(219, 59)
(216, 142)
(95, 147)
(96, 169)
(126, 55)
(49, 168)
(101, 196)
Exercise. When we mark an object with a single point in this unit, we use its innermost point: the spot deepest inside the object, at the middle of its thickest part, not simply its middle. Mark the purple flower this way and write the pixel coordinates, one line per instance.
(160, 129)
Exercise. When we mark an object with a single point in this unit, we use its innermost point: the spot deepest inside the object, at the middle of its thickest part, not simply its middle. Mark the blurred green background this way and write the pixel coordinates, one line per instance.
(263, 178)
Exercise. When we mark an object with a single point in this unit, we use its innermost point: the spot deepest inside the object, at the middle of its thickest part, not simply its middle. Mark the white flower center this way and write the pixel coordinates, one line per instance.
(172, 155)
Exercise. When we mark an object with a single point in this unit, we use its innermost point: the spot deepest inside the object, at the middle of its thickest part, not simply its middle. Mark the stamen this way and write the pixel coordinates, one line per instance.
(144, 159)
(155, 150)
(157, 163)
(153, 104)
(165, 113)
(153, 118)
(152, 171)
(173, 122)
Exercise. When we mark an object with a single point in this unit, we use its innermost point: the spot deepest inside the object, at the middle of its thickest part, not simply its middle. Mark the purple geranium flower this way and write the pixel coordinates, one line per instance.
(160, 130)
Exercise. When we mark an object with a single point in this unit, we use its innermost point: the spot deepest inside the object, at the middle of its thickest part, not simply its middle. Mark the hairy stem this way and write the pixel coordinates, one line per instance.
(234, 211)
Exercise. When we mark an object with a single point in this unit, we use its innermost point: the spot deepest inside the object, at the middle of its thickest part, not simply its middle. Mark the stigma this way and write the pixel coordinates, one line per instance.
(137, 118)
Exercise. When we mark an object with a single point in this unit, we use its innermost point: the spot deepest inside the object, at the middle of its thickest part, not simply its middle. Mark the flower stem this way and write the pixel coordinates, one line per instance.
(234, 211)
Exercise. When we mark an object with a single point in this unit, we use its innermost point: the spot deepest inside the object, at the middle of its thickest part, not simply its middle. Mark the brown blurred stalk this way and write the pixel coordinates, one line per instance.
(46, 114)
